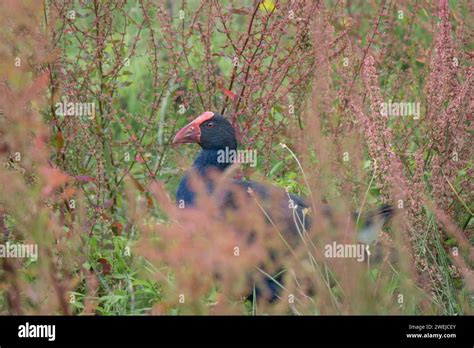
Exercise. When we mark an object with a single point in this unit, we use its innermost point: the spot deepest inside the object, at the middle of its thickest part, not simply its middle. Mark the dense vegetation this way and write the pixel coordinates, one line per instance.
(93, 92)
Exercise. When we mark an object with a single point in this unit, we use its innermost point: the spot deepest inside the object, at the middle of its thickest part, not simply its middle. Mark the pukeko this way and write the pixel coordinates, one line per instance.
(214, 133)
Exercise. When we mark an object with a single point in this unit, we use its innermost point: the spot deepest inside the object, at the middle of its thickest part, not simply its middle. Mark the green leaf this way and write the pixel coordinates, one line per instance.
(275, 168)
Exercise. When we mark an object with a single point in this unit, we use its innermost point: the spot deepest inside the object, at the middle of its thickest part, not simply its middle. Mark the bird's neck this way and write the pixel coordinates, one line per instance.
(206, 162)
(211, 159)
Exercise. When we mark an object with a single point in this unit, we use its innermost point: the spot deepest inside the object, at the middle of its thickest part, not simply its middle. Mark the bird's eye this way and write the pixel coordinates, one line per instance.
(210, 125)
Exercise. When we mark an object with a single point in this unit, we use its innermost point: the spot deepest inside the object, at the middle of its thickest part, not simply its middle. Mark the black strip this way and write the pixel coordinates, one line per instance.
(331, 330)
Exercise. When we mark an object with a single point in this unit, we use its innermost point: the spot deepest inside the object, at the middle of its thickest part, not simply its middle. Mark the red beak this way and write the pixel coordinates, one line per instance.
(191, 133)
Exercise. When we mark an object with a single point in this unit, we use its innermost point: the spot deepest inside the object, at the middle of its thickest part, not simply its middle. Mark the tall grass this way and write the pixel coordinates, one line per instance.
(95, 192)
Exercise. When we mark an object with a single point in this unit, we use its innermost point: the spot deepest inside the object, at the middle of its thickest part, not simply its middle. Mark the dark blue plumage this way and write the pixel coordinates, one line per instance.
(206, 161)
(214, 132)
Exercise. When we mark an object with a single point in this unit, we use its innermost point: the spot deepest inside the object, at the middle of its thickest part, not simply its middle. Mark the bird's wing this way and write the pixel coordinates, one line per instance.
(289, 211)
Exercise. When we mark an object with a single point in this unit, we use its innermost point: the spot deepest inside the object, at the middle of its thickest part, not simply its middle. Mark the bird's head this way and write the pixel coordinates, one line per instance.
(210, 130)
